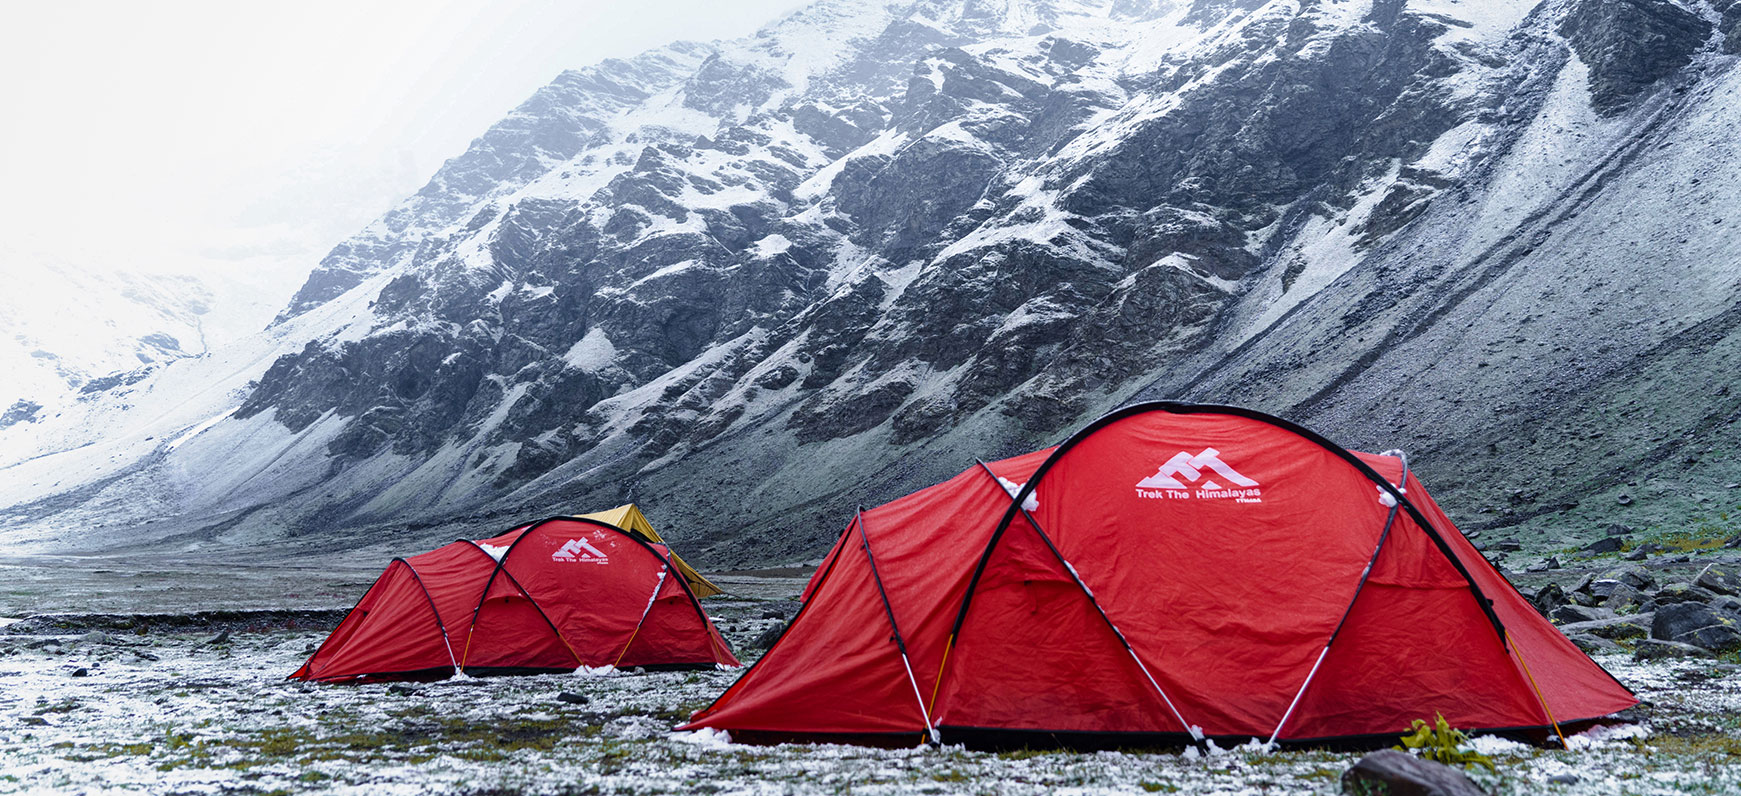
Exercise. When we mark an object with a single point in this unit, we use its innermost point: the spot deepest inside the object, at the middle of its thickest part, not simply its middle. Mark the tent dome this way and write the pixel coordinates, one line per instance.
(551, 596)
(1172, 571)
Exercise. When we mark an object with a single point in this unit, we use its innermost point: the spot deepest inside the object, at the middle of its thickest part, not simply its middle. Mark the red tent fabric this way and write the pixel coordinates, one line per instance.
(1171, 570)
(551, 596)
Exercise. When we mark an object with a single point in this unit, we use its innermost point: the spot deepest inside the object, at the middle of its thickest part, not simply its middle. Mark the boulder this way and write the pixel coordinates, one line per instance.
(1624, 598)
(1569, 614)
(1696, 624)
(1716, 638)
(404, 689)
(768, 637)
(1721, 580)
(1637, 578)
(572, 698)
(1548, 598)
(1615, 629)
(1651, 649)
(1682, 593)
(1674, 620)
(1593, 644)
(1395, 773)
(1606, 544)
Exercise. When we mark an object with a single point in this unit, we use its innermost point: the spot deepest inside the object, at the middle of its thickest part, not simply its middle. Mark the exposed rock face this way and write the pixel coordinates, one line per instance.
(1731, 26)
(21, 411)
(1630, 44)
(754, 283)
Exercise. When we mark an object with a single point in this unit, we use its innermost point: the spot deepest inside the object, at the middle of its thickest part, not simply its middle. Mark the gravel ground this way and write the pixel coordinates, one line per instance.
(170, 710)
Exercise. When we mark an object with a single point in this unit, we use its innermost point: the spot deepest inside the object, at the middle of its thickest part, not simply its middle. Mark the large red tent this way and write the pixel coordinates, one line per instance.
(1171, 572)
(551, 596)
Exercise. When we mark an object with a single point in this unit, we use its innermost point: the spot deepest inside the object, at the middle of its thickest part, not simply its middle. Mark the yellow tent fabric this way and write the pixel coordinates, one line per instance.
(629, 518)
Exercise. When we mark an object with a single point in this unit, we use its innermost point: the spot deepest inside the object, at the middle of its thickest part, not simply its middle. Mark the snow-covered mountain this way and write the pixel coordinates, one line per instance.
(63, 331)
(69, 334)
(753, 283)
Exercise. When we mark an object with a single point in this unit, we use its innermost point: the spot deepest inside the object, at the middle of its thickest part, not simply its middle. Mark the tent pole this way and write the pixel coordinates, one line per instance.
(1538, 692)
(924, 712)
(1383, 536)
(445, 641)
(663, 571)
(1195, 732)
(937, 685)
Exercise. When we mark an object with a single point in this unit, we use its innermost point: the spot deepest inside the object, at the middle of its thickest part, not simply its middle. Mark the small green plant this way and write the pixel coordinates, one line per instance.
(1440, 743)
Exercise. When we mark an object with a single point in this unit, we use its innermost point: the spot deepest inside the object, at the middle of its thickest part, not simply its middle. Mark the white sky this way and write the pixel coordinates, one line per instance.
(240, 140)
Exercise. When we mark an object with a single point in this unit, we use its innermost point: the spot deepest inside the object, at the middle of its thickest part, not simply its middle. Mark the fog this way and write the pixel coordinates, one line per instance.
(239, 141)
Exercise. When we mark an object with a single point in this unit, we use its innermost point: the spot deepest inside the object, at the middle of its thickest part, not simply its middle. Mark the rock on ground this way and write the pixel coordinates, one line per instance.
(1394, 773)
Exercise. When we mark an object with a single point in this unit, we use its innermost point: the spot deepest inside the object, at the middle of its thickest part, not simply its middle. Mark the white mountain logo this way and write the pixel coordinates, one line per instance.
(1187, 476)
(580, 551)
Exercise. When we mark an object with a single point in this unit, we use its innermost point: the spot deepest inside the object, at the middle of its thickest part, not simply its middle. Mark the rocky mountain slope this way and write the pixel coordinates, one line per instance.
(753, 283)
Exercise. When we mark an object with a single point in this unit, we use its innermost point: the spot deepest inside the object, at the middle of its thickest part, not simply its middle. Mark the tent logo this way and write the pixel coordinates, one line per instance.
(580, 551)
(1185, 476)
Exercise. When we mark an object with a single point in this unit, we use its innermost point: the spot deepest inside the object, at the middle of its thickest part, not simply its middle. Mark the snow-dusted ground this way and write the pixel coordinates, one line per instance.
(165, 712)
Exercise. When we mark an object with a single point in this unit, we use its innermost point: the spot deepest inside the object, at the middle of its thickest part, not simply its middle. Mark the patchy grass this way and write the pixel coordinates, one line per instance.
(198, 722)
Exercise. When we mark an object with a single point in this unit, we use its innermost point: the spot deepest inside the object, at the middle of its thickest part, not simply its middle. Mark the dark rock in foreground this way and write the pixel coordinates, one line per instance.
(1396, 773)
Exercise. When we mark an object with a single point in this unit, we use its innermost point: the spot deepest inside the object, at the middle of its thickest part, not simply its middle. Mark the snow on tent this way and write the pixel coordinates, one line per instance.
(551, 596)
(1171, 572)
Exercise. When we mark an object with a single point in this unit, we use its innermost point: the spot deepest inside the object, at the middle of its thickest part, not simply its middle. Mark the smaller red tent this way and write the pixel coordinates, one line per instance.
(551, 596)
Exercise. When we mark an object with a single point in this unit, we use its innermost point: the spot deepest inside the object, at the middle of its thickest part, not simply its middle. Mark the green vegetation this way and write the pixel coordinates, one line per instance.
(1703, 532)
(1440, 743)
(410, 742)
